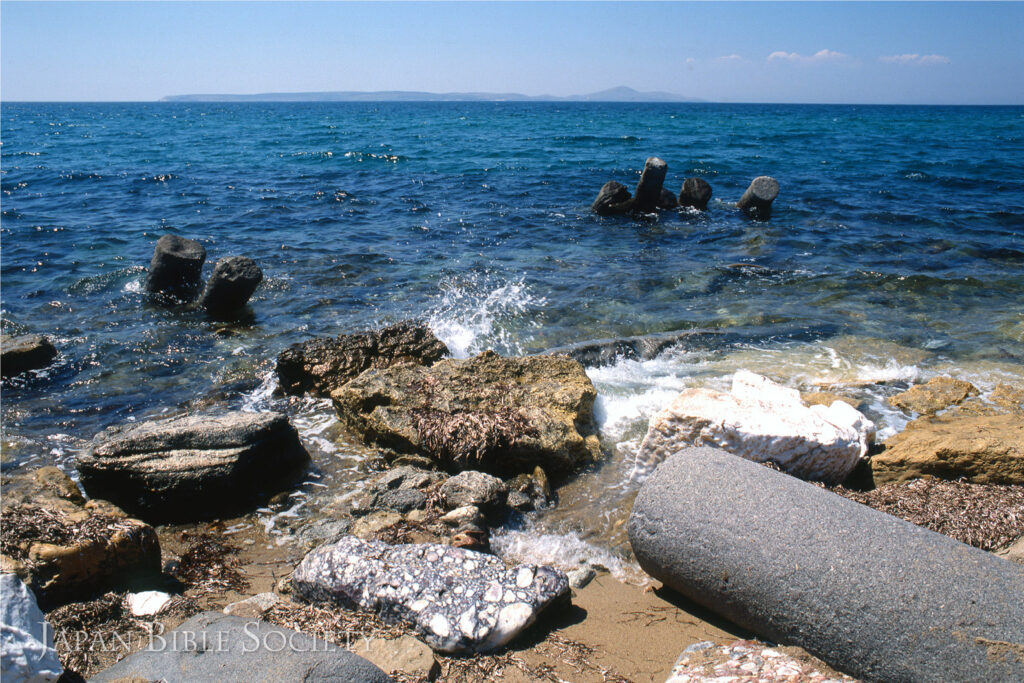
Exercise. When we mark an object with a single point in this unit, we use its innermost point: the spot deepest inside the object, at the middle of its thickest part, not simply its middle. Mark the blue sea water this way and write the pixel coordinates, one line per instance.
(895, 251)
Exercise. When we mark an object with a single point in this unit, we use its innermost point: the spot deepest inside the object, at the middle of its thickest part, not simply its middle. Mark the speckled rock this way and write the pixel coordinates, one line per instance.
(761, 421)
(746, 661)
(934, 395)
(473, 488)
(458, 601)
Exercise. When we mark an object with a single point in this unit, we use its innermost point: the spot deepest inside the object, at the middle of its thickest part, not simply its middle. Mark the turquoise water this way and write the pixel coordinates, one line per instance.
(896, 249)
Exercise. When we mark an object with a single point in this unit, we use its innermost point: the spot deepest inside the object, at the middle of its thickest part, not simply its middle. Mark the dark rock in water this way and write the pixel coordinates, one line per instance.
(24, 353)
(176, 268)
(667, 200)
(459, 601)
(402, 500)
(473, 488)
(869, 593)
(756, 202)
(645, 347)
(529, 491)
(400, 489)
(233, 281)
(71, 553)
(696, 192)
(218, 648)
(472, 537)
(648, 190)
(613, 199)
(320, 366)
(194, 467)
(499, 415)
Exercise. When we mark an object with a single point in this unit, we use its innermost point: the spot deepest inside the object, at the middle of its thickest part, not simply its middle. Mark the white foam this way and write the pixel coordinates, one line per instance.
(564, 551)
(475, 313)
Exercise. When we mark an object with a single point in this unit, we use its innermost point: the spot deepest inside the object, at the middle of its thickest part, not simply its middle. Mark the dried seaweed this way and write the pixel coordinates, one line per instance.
(90, 636)
(468, 436)
(209, 564)
(986, 516)
(24, 525)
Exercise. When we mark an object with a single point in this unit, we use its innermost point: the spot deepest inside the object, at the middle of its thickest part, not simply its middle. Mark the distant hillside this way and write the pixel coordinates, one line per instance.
(620, 94)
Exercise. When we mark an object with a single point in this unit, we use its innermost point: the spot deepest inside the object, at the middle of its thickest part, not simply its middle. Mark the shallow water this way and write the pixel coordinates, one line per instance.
(895, 253)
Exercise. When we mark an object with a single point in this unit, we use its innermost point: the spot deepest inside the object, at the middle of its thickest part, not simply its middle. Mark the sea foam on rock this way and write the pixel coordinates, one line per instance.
(320, 366)
(761, 421)
(870, 594)
(459, 601)
(500, 415)
(194, 466)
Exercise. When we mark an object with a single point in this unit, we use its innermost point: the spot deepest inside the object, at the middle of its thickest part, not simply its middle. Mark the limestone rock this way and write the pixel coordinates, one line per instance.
(935, 395)
(473, 488)
(761, 421)
(747, 660)
(1006, 396)
(232, 283)
(23, 353)
(404, 655)
(254, 607)
(27, 654)
(1013, 552)
(499, 415)
(218, 648)
(469, 514)
(148, 603)
(320, 366)
(70, 556)
(176, 267)
(983, 449)
(194, 467)
(613, 199)
(458, 601)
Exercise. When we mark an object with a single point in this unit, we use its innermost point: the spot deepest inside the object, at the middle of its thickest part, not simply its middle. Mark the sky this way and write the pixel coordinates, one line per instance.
(833, 52)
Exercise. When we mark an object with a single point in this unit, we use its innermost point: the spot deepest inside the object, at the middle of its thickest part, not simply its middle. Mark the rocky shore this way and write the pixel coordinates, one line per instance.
(396, 579)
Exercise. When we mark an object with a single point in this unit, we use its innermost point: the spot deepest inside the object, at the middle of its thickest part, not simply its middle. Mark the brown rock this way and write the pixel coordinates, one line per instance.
(405, 655)
(983, 449)
(826, 398)
(935, 395)
(489, 413)
(1009, 397)
(1013, 552)
(320, 366)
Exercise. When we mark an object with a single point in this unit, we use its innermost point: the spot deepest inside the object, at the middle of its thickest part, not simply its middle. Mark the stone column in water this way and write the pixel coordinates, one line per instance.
(696, 192)
(871, 594)
(756, 202)
(233, 281)
(613, 199)
(648, 190)
(176, 267)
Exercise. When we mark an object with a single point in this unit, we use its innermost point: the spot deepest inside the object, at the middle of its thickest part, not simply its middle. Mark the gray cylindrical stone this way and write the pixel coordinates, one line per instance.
(613, 199)
(176, 267)
(875, 596)
(757, 200)
(696, 192)
(233, 281)
(648, 190)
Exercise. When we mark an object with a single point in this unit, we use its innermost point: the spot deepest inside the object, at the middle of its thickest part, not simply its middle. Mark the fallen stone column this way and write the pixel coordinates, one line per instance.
(613, 199)
(696, 192)
(232, 283)
(176, 267)
(756, 202)
(870, 594)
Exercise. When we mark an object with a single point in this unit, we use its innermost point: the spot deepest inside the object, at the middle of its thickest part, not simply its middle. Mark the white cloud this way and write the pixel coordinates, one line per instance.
(730, 58)
(915, 59)
(819, 56)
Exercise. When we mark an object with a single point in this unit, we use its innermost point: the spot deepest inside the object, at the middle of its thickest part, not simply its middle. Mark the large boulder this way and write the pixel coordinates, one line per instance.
(870, 594)
(458, 601)
(983, 449)
(176, 268)
(23, 353)
(765, 422)
(27, 654)
(233, 281)
(936, 394)
(499, 415)
(71, 556)
(195, 466)
(320, 366)
(216, 648)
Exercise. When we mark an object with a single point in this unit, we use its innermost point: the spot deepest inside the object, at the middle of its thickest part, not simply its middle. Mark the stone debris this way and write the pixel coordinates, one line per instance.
(458, 601)
(745, 661)
(936, 394)
(148, 603)
(765, 422)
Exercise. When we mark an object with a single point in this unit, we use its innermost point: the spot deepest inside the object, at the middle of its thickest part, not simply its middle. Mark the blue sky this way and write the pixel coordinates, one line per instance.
(931, 53)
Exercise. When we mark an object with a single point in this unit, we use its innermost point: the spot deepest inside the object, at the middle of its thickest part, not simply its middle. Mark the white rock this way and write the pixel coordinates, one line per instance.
(26, 640)
(761, 421)
(254, 607)
(147, 603)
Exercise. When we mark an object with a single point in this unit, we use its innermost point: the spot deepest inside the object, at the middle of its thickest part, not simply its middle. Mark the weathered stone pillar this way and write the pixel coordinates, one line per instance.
(648, 190)
(756, 202)
(176, 267)
(696, 192)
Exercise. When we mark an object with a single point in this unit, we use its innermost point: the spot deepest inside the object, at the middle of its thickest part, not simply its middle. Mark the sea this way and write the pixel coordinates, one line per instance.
(894, 253)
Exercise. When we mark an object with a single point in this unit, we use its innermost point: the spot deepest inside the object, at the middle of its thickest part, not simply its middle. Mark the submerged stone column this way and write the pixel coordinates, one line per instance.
(696, 192)
(756, 202)
(870, 594)
(648, 190)
(613, 199)
(176, 267)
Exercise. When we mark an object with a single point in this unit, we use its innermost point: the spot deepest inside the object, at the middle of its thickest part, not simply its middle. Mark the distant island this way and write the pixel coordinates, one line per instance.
(620, 94)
